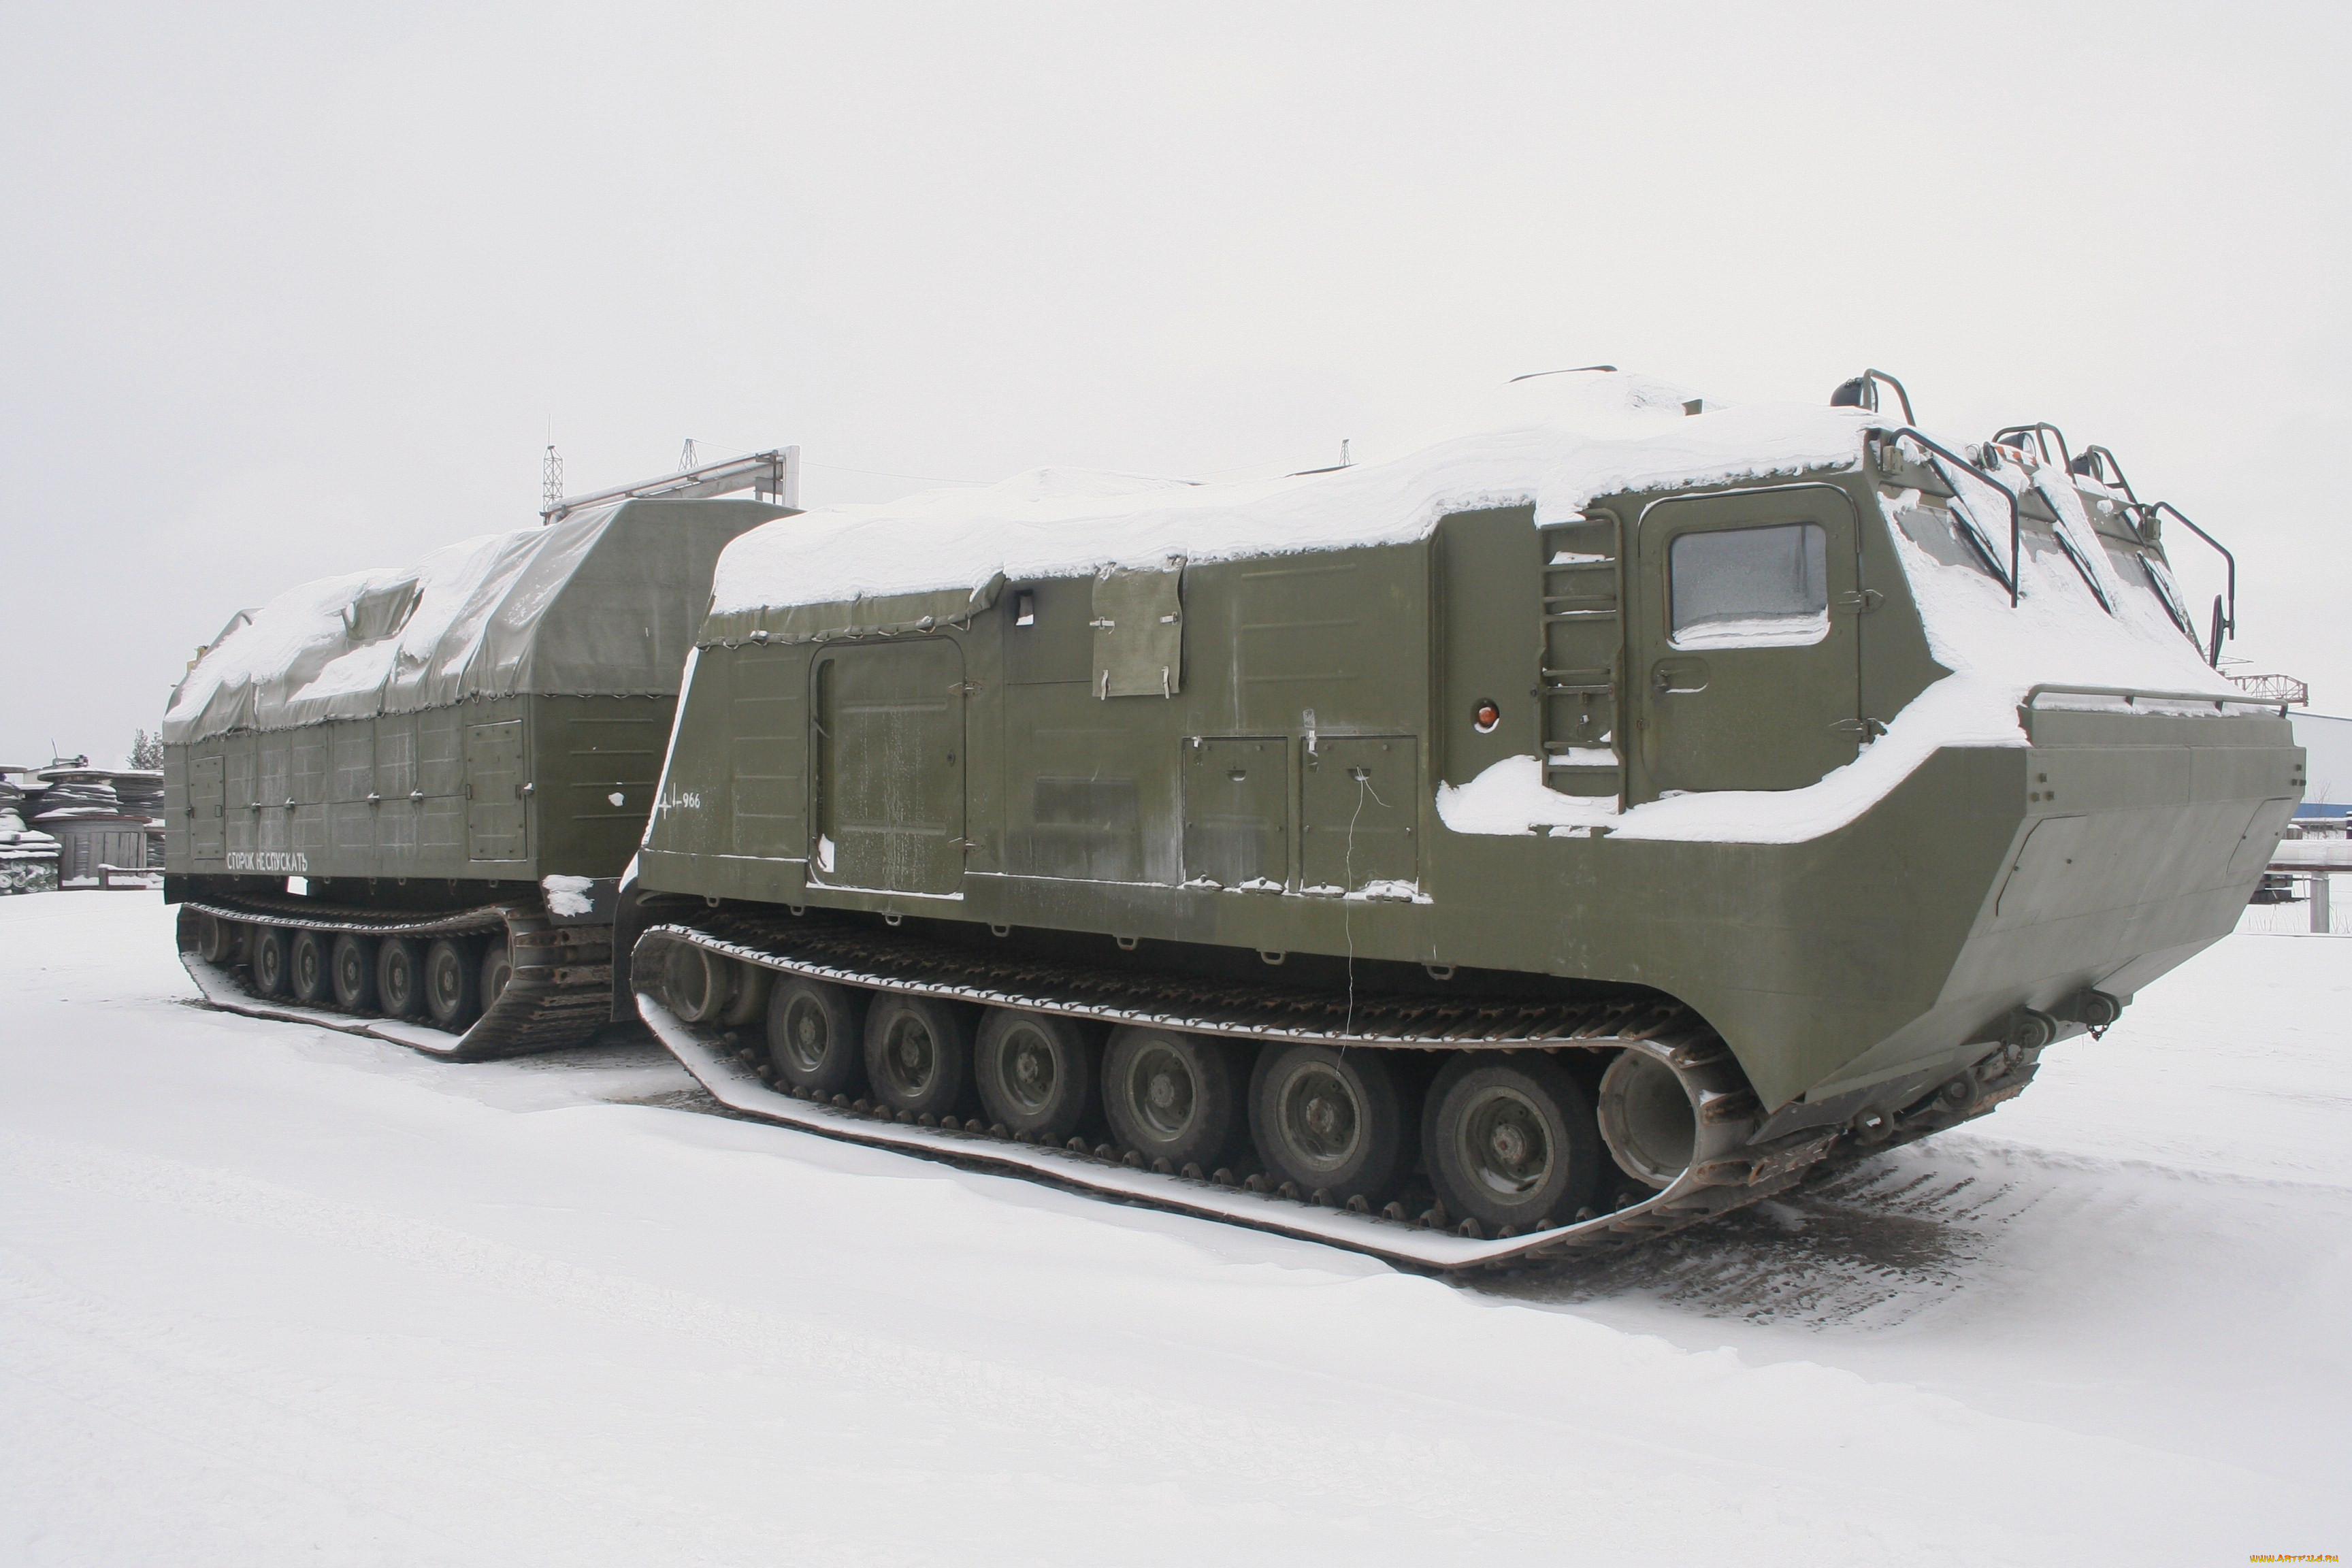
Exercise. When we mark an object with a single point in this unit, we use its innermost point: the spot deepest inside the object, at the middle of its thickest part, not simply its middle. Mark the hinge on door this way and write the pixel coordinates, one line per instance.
(965, 688)
(1862, 600)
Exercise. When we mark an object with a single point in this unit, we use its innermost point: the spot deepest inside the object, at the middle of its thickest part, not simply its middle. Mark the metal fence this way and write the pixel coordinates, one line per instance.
(2322, 906)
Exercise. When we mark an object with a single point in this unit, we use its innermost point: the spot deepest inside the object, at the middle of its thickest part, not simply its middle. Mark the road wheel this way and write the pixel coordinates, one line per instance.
(1511, 1141)
(452, 985)
(1172, 1097)
(400, 977)
(267, 946)
(312, 974)
(352, 963)
(1036, 1072)
(498, 968)
(1328, 1120)
(816, 1036)
(918, 1054)
(697, 983)
(215, 939)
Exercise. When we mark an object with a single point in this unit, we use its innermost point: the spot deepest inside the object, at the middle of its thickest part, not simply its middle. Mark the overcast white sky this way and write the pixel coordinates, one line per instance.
(298, 290)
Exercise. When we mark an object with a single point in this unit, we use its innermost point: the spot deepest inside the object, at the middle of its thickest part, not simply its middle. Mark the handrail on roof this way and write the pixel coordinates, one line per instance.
(775, 473)
(2095, 464)
(2037, 430)
(2224, 623)
(1862, 391)
(1939, 449)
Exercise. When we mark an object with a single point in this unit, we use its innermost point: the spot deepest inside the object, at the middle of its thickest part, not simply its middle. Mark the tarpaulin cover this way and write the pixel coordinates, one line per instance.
(604, 603)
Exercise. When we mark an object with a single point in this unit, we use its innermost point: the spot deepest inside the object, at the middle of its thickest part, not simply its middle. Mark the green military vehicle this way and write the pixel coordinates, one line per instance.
(401, 800)
(1586, 823)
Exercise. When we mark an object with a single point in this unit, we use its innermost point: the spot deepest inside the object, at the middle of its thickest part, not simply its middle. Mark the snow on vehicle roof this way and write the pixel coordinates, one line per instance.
(459, 624)
(1553, 441)
(1556, 443)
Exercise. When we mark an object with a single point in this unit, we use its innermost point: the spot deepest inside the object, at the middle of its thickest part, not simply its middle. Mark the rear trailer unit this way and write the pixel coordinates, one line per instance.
(401, 800)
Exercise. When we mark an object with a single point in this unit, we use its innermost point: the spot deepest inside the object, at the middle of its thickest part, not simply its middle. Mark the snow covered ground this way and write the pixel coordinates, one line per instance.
(271, 1294)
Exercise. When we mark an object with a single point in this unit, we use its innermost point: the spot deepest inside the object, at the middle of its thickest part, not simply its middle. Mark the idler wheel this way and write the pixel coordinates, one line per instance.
(816, 1036)
(1036, 1072)
(269, 949)
(452, 985)
(1328, 1121)
(698, 982)
(215, 939)
(497, 969)
(1511, 1140)
(918, 1054)
(352, 966)
(1172, 1096)
(400, 977)
(1647, 1118)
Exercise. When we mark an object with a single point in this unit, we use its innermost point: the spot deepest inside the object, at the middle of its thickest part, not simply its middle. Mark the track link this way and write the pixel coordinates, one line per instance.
(558, 996)
(1731, 1169)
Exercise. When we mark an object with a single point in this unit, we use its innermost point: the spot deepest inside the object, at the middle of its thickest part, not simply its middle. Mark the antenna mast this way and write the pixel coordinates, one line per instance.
(551, 484)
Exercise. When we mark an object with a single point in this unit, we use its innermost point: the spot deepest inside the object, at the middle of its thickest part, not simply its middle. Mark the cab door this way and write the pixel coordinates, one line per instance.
(1748, 640)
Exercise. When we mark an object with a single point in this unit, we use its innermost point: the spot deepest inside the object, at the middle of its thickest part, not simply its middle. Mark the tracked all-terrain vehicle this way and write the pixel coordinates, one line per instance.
(401, 800)
(1586, 823)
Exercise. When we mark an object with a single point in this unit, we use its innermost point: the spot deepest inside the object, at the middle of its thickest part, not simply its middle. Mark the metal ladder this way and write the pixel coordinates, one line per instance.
(1583, 637)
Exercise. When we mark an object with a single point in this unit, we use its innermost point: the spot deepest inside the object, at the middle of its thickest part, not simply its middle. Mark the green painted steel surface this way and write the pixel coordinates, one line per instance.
(1322, 700)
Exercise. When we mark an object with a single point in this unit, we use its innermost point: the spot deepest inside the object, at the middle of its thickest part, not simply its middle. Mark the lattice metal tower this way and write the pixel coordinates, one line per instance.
(551, 484)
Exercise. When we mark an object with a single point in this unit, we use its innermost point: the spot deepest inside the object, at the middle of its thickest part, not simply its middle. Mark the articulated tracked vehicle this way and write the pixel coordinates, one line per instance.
(1586, 824)
(401, 800)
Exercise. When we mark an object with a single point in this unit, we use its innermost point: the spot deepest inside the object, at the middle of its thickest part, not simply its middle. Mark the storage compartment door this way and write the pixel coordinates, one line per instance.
(1236, 817)
(205, 818)
(1357, 800)
(495, 816)
(888, 738)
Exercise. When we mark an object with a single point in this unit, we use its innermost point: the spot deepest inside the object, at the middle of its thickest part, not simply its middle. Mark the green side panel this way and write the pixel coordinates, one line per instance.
(767, 738)
(441, 775)
(1304, 623)
(399, 822)
(1045, 635)
(1085, 783)
(1489, 576)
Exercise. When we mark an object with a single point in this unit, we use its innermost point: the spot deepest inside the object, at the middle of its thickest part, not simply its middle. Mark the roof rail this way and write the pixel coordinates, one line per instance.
(773, 475)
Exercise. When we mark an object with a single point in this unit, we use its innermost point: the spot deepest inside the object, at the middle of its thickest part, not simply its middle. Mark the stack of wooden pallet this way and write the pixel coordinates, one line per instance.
(28, 857)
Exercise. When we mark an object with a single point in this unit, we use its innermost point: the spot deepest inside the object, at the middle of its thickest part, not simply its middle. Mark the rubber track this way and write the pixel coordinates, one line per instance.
(734, 1071)
(860, 954)
(560, 994)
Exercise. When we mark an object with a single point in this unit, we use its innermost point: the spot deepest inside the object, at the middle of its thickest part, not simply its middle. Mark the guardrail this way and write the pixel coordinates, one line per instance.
(2132, 697)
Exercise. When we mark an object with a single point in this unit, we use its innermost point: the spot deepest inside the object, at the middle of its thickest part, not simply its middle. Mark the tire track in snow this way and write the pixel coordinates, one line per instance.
(1899, 1236)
